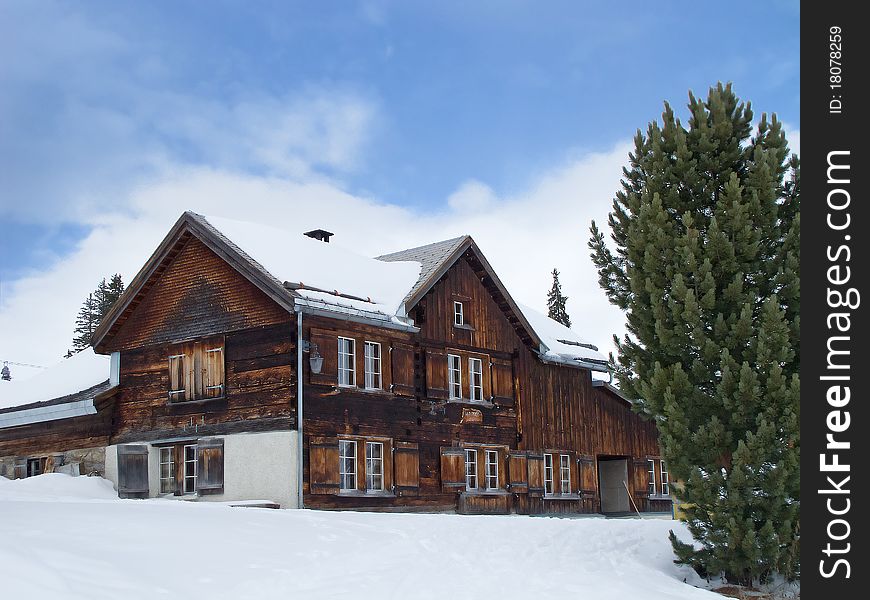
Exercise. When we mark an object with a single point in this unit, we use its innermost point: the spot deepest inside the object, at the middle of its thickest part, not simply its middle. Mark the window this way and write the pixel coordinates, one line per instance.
(491, 469)
(470, 469)
(167, 470)
(458, 314)
(346, 361)
(373, 365)
(374, 466)
(454, 369)
(565, 473)
(651, 466)
(347, 465)
(548, 474)
(475, 371)
(190, 469)
(665, 487)
(196, 371)
(35, 466)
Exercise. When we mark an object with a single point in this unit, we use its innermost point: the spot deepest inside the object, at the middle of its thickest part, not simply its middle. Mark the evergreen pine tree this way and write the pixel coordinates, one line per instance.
(86, 322)
(556, 302)
(706, 232)
(5, 373)
(94, 309)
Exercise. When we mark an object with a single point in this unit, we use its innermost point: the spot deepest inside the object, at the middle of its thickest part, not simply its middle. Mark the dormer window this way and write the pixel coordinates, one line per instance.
(458, 314)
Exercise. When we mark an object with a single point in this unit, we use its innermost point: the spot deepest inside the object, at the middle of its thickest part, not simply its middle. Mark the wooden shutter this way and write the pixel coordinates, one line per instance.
(210, 466)
(639, 478)
(586, 473)
(402, 362)
(536, 474)
(214, 372)
(452, 469)
(19, 471)
(502, 381)
(177, 377)
(519, 473)
(406, 463)
(436, 375)
(323, 465)
(327, 346)
(132, 471)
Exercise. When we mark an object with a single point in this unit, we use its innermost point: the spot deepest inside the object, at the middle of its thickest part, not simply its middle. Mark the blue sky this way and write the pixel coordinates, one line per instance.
(420, 106)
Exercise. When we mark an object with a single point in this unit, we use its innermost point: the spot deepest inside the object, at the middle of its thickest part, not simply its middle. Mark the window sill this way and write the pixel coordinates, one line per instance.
(562, 497)
(366, 494)
(483, 403)
(196, 401)
(659, 497)
(498, 492)
(464, 326)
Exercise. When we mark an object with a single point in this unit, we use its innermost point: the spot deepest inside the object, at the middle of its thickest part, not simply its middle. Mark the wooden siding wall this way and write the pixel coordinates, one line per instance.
(89, 431)
(260, 389)
(198, 294)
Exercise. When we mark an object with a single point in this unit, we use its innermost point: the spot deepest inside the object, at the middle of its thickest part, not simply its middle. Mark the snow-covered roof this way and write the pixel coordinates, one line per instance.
(320, 267)
(563, 344)
(81, 371)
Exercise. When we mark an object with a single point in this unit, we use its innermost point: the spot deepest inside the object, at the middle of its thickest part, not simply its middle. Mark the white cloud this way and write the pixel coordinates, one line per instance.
(524, 236)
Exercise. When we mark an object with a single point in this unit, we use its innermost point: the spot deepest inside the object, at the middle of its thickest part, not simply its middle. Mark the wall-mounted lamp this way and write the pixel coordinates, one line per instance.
(314, 360)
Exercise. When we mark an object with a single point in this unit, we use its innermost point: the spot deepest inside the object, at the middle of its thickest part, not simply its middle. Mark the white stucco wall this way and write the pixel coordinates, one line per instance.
(257, 466)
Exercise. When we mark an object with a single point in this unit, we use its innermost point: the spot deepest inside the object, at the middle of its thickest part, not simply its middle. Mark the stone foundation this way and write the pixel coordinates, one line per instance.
(84, 461)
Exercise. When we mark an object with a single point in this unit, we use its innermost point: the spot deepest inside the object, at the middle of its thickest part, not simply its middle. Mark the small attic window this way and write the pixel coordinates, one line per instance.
(458, 314)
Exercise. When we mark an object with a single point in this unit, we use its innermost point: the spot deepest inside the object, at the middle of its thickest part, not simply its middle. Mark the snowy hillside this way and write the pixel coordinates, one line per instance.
(72, 538)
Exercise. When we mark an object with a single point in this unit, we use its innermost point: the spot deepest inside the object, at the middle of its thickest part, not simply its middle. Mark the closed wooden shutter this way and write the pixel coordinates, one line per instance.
(177, 379)
(132, 471)
(20, 469)
(519, 473)
(436, 375)
(210, 466)
(214, 372)
(407, 467)
(586, 473)
(639, 478)
(452, 469)
(536, 474)
(402, 362)
(502, 382)
(323, 465)
(327, 346)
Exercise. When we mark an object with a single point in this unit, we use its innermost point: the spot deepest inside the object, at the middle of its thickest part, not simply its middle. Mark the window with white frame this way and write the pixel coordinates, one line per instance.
(458, 314)
(374, 466)
(564, 473)
(190, 469)
(346, 361)
(665, 488)
(548, 474)
(651, 473)
(492, 469)
(454, 373)
(470, 469)
(167, 470)
(373, 366)
(475, 382)
(347, 465)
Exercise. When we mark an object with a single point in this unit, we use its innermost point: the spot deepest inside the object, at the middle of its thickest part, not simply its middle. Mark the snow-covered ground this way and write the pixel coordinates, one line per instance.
(71, 538)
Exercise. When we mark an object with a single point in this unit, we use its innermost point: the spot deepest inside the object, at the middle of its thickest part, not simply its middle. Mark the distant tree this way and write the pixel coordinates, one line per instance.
(705, 263)
(94, 308)
(86, 322)
(5, 373)
(556, 302)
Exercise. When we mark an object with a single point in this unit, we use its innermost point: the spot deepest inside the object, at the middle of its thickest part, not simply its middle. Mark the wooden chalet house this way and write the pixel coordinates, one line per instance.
(248, 363)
